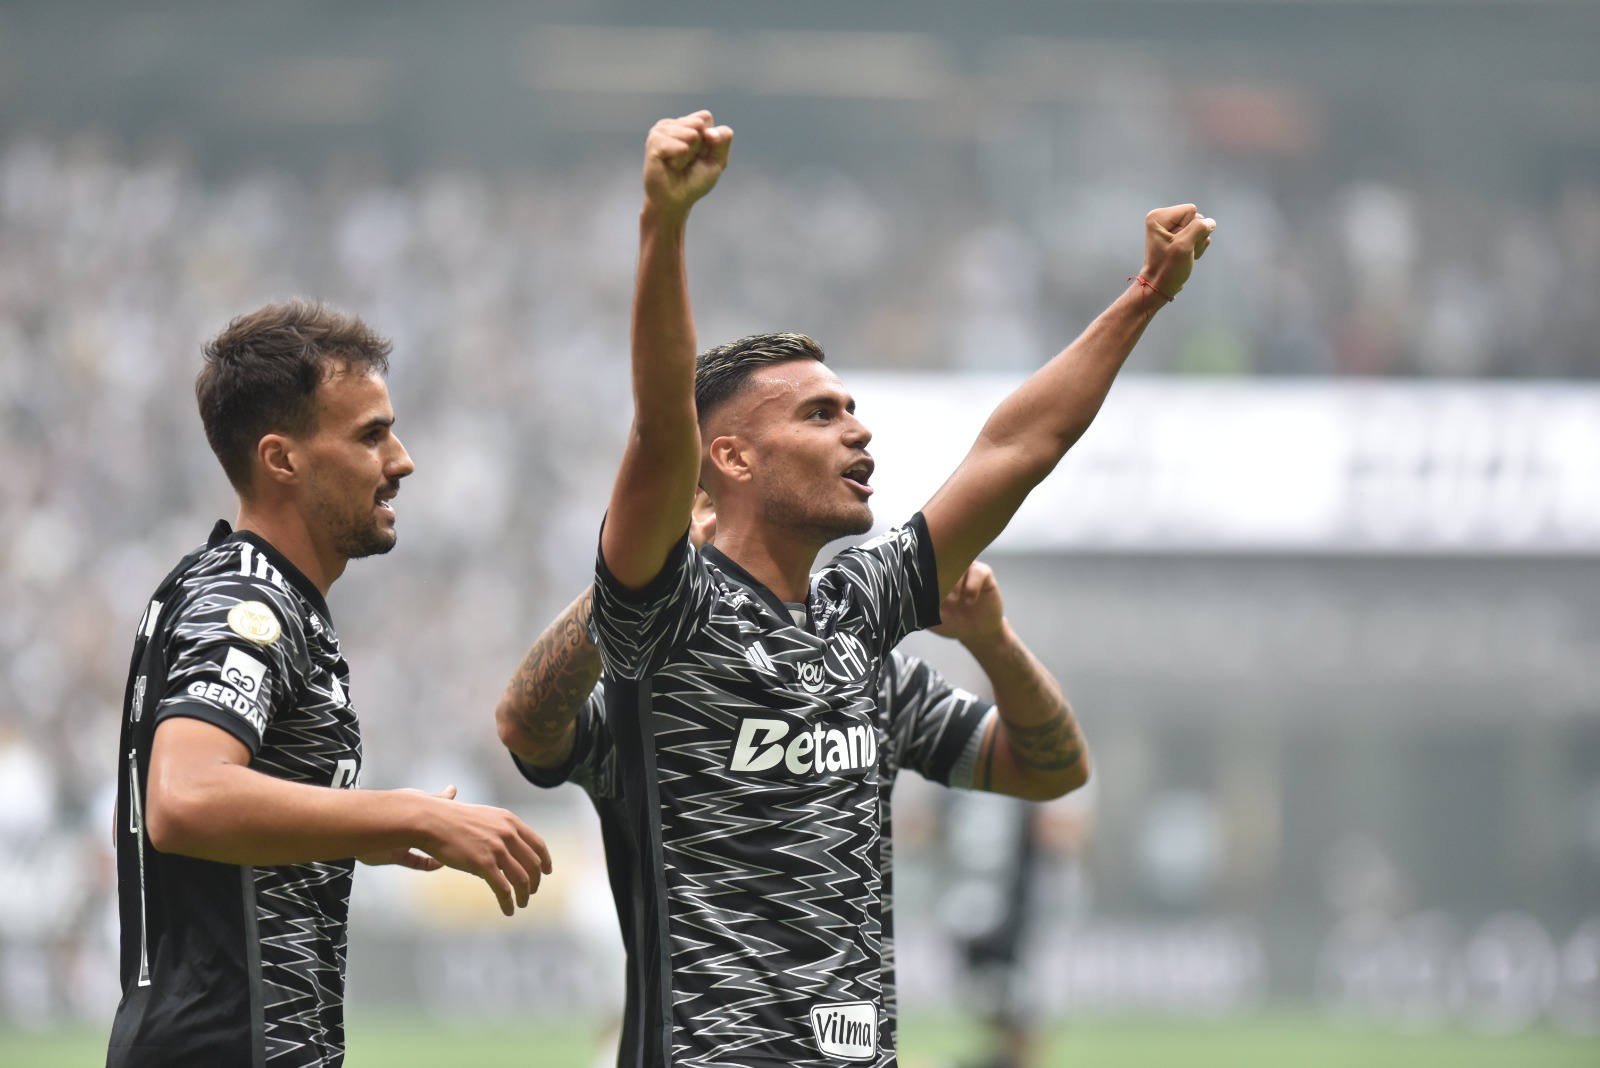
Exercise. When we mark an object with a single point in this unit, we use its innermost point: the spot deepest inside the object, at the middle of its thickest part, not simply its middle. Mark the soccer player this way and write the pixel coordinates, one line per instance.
(742, 688)
(552, 717)
(238, 808)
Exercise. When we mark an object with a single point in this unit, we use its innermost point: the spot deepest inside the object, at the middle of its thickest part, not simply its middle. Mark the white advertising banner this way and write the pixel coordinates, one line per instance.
(1285, 465)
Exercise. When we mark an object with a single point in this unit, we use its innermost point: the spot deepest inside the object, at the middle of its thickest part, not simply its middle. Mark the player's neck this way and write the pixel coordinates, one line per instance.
(286, 530)
(779, 560)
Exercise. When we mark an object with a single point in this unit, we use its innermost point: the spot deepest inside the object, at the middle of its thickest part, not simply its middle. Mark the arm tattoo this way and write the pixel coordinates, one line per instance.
(556, 676)
(1048, 740)
(1053, 745)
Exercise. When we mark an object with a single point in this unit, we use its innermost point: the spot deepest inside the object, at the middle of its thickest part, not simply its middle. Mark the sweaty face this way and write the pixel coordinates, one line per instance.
(807, 450)
(356, 464)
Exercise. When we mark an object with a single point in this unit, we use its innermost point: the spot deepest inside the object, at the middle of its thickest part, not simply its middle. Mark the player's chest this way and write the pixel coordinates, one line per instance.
(772, 705)
(828, 661)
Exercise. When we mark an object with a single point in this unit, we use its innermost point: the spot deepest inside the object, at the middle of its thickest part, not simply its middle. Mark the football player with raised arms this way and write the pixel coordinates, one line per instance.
(742, 686)
(238, 815)
(552, 718)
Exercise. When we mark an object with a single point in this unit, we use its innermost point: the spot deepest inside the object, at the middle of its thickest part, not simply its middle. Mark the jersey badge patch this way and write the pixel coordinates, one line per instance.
(243, 672)
(254, 622)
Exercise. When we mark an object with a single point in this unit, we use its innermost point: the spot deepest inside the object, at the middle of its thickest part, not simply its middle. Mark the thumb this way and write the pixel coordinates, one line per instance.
(448, 793)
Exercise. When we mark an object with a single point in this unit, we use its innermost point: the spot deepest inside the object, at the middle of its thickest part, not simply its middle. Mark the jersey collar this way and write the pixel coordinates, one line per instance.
(224, 532)
(744, 578)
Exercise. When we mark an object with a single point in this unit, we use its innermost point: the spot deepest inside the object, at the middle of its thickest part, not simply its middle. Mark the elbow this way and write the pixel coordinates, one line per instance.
(512, 736)
(1073, 778)
(1077, 776)
(174, 820)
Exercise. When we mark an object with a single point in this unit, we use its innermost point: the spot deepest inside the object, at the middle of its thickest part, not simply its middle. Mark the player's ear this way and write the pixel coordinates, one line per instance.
(278, 459)
(728, 458)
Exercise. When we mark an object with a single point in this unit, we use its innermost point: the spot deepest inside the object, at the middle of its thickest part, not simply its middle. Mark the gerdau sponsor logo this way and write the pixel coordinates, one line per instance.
(763, 744)
(848, 1031)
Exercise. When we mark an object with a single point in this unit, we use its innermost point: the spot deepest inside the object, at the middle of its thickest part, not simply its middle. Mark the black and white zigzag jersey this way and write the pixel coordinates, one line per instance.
(221, 964)
(742, 765)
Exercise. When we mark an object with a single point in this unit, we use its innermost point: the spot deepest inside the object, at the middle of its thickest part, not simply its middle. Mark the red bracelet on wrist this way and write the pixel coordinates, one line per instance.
(1144, 283)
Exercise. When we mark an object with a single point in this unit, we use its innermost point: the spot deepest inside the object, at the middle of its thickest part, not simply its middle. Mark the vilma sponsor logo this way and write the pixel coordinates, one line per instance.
(848, 1031)
(761, 746)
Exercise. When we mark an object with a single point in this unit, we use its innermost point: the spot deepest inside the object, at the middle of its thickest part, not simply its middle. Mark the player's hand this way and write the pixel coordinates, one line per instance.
(1173, 239)
(973, 611)
(492, 844)
(406, 857)
(683, 158)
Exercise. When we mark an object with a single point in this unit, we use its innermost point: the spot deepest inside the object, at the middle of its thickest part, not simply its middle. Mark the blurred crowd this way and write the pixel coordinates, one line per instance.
(507, 299)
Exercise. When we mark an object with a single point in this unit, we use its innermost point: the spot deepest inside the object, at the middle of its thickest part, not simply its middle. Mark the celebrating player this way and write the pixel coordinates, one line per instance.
(552, 717)
(742, 689)
(238, 816)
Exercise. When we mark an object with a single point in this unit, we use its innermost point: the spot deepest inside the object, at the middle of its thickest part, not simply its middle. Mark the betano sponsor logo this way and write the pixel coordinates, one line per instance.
(848, 1030)
(762, 744)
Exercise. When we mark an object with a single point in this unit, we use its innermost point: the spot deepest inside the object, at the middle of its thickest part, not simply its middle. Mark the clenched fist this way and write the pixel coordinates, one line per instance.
(1173, 239)
(683, 158)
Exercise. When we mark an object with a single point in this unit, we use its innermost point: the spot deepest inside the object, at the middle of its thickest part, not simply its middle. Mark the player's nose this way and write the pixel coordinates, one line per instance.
(856, 434)
(400, 464)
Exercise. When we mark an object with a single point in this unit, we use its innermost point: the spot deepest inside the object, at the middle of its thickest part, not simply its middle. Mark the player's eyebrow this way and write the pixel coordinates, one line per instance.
(830, 400)
(374, 423)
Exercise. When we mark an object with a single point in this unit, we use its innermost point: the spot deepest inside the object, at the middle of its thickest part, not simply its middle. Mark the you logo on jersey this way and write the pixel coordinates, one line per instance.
(763, 744)
(844, 660)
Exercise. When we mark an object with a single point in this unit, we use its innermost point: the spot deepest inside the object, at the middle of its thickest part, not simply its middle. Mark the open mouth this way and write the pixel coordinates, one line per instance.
(384, 496)
(859, 474)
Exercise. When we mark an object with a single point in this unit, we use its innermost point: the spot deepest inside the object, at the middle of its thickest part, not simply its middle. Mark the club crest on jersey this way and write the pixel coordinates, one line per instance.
(763, 744)
(848, 1031)
(254, 622)
(846, 658)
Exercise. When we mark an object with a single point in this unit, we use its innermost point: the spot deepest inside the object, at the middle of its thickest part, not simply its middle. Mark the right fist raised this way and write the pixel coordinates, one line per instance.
(683, 158)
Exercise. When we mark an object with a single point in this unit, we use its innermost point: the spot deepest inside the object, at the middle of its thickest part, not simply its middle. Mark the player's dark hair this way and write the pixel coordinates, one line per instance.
(261, 375)
(720, 374)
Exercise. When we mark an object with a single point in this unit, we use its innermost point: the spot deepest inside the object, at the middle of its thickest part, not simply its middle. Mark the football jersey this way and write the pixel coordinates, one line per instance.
(223, 964)
(741, 763)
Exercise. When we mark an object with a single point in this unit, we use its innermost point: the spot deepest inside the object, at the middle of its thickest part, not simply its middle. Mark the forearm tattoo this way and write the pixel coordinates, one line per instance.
(1052, 746)
(1049, 741)
(556, 676)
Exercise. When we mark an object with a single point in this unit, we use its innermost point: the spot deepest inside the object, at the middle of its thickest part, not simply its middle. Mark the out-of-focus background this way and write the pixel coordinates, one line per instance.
(1322, 583)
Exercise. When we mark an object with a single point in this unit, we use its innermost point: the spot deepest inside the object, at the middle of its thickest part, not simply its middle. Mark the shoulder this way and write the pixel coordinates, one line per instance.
(896, 546)
(228, 590)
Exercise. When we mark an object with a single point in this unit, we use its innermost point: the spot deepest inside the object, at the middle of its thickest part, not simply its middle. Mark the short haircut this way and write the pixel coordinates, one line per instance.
(261, 375)
(720, 374)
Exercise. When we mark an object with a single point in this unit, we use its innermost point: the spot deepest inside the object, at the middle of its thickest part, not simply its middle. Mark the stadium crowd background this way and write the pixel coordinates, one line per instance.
(137, 215)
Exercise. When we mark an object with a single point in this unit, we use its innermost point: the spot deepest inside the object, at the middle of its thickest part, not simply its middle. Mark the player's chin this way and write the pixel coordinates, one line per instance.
(853, 520)
(375, 540)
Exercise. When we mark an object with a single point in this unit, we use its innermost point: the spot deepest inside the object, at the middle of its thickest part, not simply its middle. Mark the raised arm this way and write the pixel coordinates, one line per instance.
(538, 713)
(650, 500)
(203, 800)
(1033, 749)
(1031, 430)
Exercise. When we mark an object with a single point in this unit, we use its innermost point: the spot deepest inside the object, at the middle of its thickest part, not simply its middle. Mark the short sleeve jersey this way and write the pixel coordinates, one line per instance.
(223, 964)
(741, 763)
